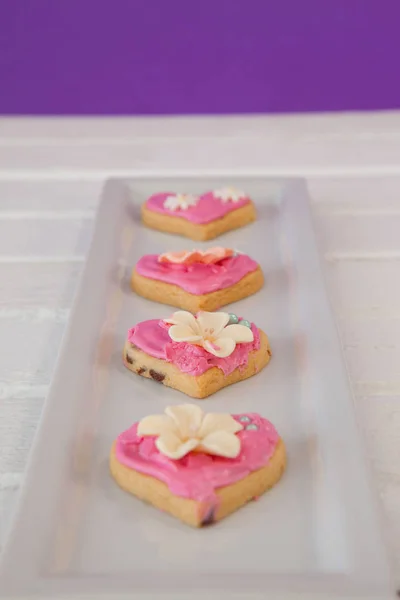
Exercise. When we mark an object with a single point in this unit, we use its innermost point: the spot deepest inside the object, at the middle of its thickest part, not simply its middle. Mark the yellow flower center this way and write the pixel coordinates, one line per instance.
(208, 334)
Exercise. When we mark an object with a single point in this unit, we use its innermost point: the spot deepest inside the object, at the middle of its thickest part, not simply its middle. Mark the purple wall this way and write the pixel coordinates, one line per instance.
(198, 56)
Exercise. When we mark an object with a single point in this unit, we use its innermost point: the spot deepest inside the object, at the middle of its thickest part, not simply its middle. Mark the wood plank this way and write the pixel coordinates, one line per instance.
(37, 289)
(34, 309)
(380, 419)
(8, 501)
(364, 288)
(283, 156)
(30, 196)
(347, 236)
(19, 419)
(29, 351)
(355, 195)
(389, 491)
(44, 238)
(379, 416)
(367, 125)
(18, 423)
(371, 350)
(365, 333)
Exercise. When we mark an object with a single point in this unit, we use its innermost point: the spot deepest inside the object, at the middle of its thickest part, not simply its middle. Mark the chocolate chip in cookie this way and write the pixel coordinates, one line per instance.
(157, 376)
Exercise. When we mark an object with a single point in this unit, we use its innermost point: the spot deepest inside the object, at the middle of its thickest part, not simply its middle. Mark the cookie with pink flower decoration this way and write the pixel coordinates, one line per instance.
(197, 280)
(198, 467)
(197, 354)
(201, 217)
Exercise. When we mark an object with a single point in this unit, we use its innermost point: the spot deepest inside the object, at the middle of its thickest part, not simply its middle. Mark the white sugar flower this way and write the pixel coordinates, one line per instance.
(209, 330)
(229, 194)
(185, 428)
(180, 201)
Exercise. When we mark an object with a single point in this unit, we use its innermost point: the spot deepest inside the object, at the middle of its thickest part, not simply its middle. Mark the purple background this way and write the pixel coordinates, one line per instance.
(198, 56)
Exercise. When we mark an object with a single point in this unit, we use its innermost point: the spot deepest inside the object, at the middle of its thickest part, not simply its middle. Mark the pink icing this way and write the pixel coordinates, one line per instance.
(197, 278)
(197, 475)
(208, 208)
(152, 337)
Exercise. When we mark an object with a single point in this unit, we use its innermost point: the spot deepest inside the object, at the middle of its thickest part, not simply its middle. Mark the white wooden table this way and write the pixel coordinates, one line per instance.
(51, 173)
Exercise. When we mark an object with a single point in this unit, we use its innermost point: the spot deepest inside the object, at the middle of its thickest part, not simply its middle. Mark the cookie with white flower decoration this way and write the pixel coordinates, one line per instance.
(197, 280)
(202, 217)
(197, 354)
(198, 467)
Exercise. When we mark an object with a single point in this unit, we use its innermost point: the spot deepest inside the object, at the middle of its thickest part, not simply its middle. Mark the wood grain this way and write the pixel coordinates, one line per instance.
(355, 195)
(352, 294)
(368, 126)
(30, 198)
(44, 239)
(357, 235)
(37, 286)
(372, 349)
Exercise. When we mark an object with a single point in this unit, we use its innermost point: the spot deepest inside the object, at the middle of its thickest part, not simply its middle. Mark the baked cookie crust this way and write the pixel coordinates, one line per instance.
(200, 386)
(192, 512)
(173, 295)
(200, 232)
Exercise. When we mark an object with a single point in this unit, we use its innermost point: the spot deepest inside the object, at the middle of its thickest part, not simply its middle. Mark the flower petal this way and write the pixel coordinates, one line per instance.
(183, 317)
(230, 193)
(172, 446)
(188, 200)
(174, 257)
(212, 323)
(195, 256)
(156, 425)
(213, 422)
(213, 255)
(239, 333)
(221, 443)
(187, 419)
(221, 347)
(182, 333)
(171, 202)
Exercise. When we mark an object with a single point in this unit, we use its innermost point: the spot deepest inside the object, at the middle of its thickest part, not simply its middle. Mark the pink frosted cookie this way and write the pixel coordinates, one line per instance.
(197, 280)
(199, 217)
(198, 467)
(197, 355)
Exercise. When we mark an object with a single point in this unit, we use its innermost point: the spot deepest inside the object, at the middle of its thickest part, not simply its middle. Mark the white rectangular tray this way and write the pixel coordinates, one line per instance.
(316, 534)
